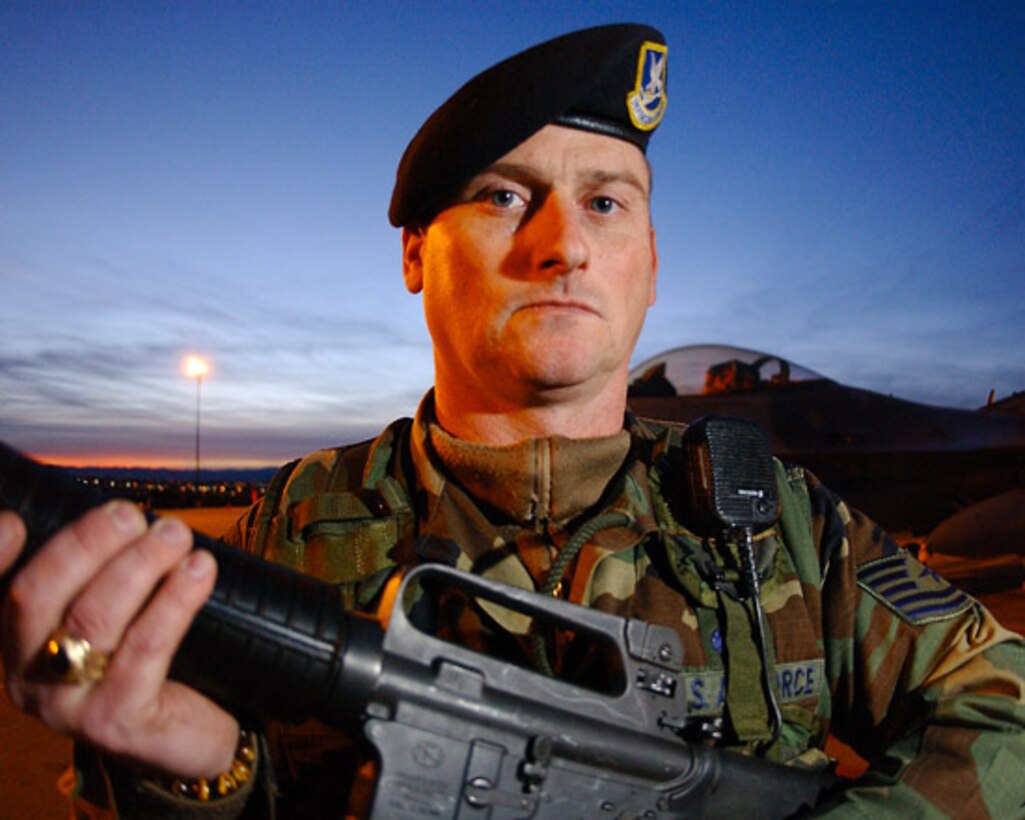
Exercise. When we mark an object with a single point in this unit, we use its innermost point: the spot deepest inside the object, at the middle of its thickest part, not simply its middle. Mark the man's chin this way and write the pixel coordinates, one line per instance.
(561, 383)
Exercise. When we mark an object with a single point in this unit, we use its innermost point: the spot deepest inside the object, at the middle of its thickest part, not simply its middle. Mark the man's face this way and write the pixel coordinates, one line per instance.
(537, 279)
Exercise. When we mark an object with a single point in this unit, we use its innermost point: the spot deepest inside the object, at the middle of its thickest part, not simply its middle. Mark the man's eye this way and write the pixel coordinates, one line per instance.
(603, 204)
(503, 198)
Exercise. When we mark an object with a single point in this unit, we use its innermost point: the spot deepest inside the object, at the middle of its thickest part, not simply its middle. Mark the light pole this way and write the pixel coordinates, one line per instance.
(195, 367)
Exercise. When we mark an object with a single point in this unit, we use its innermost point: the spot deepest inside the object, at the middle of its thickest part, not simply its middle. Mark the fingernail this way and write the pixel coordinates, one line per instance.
(126, 516)
(198, 564)
(172, 530)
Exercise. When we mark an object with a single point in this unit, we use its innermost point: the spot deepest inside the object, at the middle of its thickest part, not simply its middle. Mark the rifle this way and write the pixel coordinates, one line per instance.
(457, 734)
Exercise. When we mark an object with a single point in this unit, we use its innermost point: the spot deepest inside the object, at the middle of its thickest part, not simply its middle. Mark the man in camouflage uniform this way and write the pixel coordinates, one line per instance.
(524, 207)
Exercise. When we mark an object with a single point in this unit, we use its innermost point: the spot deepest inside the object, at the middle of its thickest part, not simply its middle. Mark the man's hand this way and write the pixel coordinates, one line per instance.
(131, 591)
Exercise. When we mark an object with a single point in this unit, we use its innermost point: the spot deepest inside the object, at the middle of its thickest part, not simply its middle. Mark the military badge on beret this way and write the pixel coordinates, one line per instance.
(647, 102)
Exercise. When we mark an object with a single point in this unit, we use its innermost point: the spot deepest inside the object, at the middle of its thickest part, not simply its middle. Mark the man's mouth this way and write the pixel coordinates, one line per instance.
(566, 305)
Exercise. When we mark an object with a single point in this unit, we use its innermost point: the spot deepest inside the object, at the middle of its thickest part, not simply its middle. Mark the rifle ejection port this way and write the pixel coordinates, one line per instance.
(457, 678)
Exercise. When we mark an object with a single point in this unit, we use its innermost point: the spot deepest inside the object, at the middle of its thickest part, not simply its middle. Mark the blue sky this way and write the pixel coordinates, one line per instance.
(839, 183)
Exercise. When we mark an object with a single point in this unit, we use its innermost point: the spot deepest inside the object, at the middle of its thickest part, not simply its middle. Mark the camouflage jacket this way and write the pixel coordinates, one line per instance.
(864, 642)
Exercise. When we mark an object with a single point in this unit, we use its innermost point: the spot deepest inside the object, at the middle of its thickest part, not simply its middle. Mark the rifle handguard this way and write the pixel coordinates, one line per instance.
(269, 640)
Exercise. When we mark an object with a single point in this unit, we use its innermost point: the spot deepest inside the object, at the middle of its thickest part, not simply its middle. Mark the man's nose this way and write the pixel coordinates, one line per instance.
(559, 243)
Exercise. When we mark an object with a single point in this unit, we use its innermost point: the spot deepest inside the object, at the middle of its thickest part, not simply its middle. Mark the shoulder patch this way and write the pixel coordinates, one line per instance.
(912, 590)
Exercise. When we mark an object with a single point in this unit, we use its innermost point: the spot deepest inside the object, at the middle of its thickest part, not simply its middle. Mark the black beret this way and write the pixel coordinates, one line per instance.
(608, 79)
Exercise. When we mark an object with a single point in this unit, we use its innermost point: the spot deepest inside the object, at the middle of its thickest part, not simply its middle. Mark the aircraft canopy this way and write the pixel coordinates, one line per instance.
(694, 370)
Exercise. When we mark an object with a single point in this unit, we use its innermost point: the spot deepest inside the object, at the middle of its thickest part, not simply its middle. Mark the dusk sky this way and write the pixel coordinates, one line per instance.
(838, 183)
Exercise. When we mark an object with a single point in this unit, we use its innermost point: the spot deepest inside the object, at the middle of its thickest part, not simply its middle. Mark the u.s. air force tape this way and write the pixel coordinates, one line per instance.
(705, 690)
(912, 590)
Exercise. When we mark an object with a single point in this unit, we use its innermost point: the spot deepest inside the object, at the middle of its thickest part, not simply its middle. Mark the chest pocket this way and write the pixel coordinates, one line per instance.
(348, 536)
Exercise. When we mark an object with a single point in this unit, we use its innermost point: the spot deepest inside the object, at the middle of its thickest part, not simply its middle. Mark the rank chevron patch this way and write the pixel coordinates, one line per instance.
(912, 590)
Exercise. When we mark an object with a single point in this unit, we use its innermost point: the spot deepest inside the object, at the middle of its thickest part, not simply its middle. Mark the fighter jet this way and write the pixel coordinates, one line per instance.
(910, 466)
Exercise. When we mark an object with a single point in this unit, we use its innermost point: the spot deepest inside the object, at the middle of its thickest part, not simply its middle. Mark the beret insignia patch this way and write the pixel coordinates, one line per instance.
(912, 590)
(647, 102)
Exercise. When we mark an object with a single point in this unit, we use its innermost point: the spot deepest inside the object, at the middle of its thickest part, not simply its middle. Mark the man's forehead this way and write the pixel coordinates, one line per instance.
(607, 80)
(573, 156)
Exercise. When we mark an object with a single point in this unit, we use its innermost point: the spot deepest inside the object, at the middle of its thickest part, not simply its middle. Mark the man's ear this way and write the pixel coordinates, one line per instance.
(412, 259)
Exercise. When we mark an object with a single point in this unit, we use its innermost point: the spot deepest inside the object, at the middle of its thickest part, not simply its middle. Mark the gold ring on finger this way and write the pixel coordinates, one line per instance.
(72, 659)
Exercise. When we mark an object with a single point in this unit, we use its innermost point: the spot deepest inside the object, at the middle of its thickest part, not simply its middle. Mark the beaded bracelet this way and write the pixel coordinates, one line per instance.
(203, 789)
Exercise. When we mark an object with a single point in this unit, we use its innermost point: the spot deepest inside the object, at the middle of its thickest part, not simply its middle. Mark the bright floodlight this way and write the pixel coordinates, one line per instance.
(195, 367)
